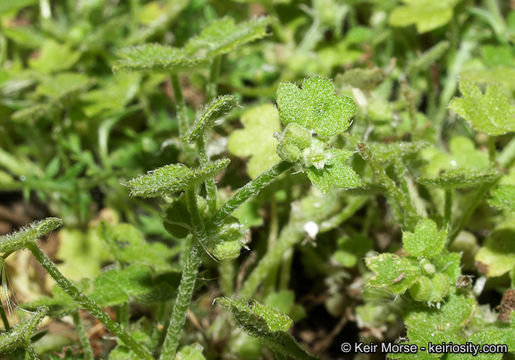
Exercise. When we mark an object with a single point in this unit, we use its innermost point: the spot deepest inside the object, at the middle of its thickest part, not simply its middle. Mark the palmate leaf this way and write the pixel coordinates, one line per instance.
(224, 35)
(156, 58)
(426, 240)
(315, 106)
(256, 139)
(267, 325)
(212, 112)
(395, 273)
(490, 113)
(335, 173)
(172, 178)
(461, 178)
(427, 15)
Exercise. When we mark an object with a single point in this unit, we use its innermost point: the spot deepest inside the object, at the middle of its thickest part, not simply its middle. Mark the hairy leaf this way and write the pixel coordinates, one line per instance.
(172, 178)
(461, 178)
(315, 106)
(503, 197)
(426, 240)
(490, 113)
(335, 173)
(396, 273)
(18, 240)
(21, 333)
(213, 111)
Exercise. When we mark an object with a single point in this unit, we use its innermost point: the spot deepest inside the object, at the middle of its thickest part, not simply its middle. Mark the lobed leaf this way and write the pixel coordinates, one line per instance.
(172, 178)
(426, 240)
(396, 273)
(335, 173)
(315, 106)
(215, 110)
(18, 240)
(156, 58)
(491, 113)
(256, 139)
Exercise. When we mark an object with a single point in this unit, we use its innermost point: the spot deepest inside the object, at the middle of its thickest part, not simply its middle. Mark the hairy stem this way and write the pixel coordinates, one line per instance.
(397, 198)
(188, 280)
(180, 104)
(448, 208)
(249, 190)
(83, 337)
(87, 303)
(210, 182)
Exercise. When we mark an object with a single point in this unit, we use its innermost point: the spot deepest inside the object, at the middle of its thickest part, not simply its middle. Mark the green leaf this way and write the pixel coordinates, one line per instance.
(135, 282)
(426, 240)
(20, 335)
(18, 240)
(429, 57)
(246, 312)
(12, 6)
(190, 352)
(215, 110)
(440, 325)
(293, 141)
(315, 106)
(127, 245)
(172, 178)
(503, 197)
(427, 15)
(335, 173)
(351, 249)
(461, 178)
(54, 57)
(266, 324)
(156, 58)
(395, 273)
(256, 139)
(365, 79)
(497, 255)
(224, 35)
(491, 113)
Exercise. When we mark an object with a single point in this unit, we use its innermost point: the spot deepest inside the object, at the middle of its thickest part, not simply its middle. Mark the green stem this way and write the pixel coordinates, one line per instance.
(210, 182)
(87, 303)
(7, 327)
(398, 199)
(180, 104)
(354, 204)
(290, 235)
(226, 271)
(271, 280)
(188, 280)
(491, 150)
(249, 190)
(83, 337)
(448, 208)
(30, 352)
(285, 274)
(476, 199)
(214, 73)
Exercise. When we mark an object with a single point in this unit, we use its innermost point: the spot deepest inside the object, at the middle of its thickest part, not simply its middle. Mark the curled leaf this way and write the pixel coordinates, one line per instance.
(19, 239)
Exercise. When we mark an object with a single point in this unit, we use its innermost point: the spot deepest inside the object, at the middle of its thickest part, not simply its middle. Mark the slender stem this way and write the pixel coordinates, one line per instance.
(285, 274)
(354, 204)
(122, 314)
(250, 189)
(226, 271)
(210, 182)
(398, 199)
(491, 150)
(83, 337)
(7, 327)
(476, 199)
(271, 280)
(87, 303)
(448, 208)
(188, 280)
(214, 73)
(290, 235)
(31, 353)
(180, 104)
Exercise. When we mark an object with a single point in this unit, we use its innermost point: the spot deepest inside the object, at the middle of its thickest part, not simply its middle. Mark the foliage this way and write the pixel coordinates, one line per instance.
(251, 180)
